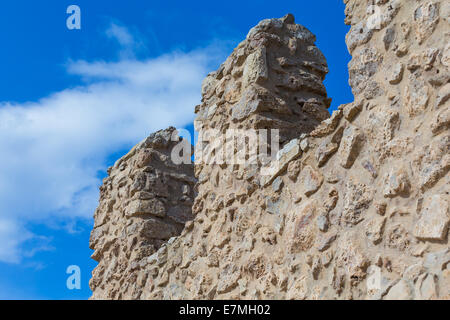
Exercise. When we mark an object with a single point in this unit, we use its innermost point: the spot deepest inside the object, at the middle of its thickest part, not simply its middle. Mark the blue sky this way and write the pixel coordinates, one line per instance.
(73, 101)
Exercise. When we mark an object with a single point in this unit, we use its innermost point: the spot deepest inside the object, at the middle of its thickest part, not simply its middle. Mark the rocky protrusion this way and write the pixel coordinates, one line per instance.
(145, 200)
(272, 80)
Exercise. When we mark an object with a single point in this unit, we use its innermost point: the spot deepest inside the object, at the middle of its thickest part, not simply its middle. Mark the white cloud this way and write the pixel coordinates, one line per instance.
(121, 34)
(128, 42)
(12, 234)
(52, 150)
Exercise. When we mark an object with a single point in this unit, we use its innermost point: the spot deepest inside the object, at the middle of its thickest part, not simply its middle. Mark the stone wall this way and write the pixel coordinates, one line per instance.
(358, 207)
(272, 80)
(145, 200)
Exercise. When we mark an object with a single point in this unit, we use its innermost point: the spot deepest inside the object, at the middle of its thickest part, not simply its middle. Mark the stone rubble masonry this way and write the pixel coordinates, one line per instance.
(359, 205)
(144, 201)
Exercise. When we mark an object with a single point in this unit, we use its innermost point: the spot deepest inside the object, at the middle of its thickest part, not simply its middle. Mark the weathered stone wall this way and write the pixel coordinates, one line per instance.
(272, 80)
(359, 207)
(145, 201)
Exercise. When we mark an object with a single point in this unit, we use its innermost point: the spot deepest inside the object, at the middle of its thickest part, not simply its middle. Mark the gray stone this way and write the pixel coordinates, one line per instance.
(359, 34)
(426, 287)
(395, 75)
(277, 184)
(304, 145)
(435, 262)
(434, 219)
(274, 207)
(322, 223)
(388, 38)
(401, 291)
(426, 17)
(312, 180)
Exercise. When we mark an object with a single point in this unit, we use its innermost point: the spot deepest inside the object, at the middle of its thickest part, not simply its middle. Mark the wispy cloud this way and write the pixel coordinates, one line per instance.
(129, 43)
(121, 34)
(53, 149)
(12, 235)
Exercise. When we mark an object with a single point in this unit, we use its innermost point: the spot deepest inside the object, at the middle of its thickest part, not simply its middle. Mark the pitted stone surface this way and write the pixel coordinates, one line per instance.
(144, 201)
(357, 206)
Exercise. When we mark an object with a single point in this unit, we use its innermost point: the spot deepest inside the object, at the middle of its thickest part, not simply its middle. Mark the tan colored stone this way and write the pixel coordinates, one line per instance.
(352, 257)
(350, 146)
(416, 96)
(303, 230)
(357, 200)
(141, 207)
(374, 229)
(351, 110)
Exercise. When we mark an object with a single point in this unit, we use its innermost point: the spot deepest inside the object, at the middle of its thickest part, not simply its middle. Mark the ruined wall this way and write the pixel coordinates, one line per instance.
(272, 80)
(145, 200)
(358, 206)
